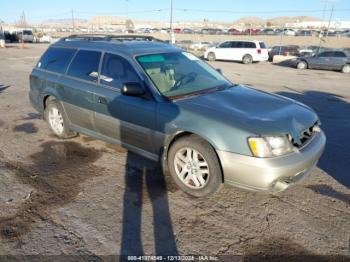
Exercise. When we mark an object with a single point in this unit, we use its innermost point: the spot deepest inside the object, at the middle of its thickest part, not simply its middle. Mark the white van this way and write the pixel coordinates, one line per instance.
(245, 51)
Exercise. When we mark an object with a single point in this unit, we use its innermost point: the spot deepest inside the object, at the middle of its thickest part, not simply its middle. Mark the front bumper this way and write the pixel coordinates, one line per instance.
(271, 174)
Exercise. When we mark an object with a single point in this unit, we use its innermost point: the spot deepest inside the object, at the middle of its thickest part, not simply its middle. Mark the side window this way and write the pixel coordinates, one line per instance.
(249, 45)
(239, 45)
(116, 71)
(225, 45)
(234, 44)
(325, 54)
(85, 65)
(56, 59)
(339, 54)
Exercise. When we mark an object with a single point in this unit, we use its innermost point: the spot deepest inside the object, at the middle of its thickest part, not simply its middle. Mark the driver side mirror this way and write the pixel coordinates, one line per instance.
(219, 70)
(133, 89)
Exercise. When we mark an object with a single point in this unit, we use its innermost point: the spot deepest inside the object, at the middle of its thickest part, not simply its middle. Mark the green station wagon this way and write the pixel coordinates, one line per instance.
(167, 105)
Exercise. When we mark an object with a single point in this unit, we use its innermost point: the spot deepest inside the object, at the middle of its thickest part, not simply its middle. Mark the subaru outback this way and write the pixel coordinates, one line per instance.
(167, 105)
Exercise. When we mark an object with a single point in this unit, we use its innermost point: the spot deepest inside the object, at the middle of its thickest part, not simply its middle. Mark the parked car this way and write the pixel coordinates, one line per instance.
(290, 32)
(233, 31)
(328, 60)
(245, 51)
(303, 33)
(211, 31)
(26, 36)
(251, 31)
(200, 45)
(187, 31)
(267, 31)
(163, 103)
(184, 44)
(286, 50)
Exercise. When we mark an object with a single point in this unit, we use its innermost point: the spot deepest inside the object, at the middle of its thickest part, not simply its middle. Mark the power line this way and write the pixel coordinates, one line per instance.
(260, 12)
(123, 13)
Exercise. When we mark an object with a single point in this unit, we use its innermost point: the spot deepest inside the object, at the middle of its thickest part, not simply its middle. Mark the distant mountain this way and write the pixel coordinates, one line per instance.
(276, 21)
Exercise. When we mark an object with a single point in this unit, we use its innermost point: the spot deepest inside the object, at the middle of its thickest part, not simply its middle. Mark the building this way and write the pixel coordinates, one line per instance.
(320, 24)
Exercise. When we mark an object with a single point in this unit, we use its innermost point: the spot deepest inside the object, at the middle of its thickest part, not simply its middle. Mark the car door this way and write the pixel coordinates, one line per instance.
(130, 120)
(338, 60)
(76, 88)
(224, 51)
(320, 61)
(249, 48)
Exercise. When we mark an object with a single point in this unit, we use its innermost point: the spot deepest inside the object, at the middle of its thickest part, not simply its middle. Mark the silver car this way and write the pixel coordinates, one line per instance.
(328, 60)
(170, 106)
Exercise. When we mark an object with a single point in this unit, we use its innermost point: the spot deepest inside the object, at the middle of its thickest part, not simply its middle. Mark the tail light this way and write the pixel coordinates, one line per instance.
(259, 51)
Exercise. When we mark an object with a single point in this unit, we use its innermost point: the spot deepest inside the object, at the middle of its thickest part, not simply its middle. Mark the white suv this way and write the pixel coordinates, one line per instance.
(245, 51)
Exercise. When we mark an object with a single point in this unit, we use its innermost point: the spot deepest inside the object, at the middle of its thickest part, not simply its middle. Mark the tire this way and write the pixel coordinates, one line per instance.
(302, 65)
(57, 121)
(187, 178)
(247, 59)
(346, 69)
(211, 56)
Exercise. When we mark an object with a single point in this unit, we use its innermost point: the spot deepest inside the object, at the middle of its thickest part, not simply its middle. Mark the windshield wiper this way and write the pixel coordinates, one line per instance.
(202, 92)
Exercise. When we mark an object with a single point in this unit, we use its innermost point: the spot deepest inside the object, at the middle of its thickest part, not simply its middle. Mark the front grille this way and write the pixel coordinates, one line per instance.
(305, 136)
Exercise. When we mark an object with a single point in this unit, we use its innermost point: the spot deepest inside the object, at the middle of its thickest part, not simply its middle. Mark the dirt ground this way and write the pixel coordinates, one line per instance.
(83, 197)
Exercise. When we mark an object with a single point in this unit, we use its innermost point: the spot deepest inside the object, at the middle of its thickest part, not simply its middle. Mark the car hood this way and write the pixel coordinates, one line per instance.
(254, 111)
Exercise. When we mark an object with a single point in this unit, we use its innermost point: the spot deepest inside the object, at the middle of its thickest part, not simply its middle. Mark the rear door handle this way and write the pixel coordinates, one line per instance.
(102, 100)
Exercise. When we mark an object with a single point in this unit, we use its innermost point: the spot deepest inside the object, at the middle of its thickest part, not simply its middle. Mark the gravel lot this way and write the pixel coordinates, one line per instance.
(86, 197)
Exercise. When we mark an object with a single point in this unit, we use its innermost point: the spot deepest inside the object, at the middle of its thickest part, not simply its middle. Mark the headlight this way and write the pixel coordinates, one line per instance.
(270, 146)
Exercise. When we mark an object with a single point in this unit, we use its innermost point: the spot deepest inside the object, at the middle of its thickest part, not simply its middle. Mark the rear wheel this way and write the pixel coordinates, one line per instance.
(302, 65)
(346, 69)
(211, 56)
(247, 59)
(55, 118)
(194, 166)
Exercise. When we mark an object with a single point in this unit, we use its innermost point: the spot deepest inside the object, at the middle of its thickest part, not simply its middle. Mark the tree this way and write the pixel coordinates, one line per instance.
(268, 24)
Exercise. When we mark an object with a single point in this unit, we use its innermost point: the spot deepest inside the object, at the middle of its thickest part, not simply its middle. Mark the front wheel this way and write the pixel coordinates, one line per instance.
(301, 65)
(57, 121)
(211, 56)
(346, 69)
(194, 166)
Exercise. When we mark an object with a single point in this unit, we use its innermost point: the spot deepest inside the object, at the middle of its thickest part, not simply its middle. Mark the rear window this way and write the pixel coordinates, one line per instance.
(262, 45)
(27, 32)
(85, 65)
(56, 59)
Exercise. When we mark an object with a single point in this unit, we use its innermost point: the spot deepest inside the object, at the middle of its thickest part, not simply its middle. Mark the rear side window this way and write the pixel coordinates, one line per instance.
(339, 54)
(249, 45)
(117, 71)
(85, 65)
(56, 59)
(262, 45)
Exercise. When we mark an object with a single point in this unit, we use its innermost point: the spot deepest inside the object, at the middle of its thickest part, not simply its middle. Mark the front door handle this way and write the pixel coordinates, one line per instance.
(102, 100)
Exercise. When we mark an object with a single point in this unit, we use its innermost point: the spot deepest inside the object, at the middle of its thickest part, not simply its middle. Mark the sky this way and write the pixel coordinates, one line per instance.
(184, 10)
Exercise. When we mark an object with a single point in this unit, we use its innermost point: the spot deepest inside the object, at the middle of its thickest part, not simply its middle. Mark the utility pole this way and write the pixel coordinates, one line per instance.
(172, 36)
(127, 9)
(23, 25)
(73, 22)
(330, 20)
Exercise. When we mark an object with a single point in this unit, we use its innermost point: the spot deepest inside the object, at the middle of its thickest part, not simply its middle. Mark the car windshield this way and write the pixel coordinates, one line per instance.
(181, 74)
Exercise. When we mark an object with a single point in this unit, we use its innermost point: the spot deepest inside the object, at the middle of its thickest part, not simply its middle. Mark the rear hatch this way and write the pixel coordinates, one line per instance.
(263, 51)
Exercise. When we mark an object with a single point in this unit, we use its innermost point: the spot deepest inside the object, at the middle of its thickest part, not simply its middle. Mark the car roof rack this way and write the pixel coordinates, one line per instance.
(120, 38)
